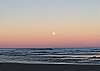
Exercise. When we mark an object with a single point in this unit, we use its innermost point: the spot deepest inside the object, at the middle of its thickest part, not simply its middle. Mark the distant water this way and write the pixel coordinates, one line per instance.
(50, 55)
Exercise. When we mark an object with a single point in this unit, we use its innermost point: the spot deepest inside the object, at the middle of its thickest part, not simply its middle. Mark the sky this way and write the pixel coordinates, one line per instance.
(49, 23)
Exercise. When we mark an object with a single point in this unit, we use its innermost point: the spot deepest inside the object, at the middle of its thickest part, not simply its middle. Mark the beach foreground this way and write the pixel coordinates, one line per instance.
(47, 67)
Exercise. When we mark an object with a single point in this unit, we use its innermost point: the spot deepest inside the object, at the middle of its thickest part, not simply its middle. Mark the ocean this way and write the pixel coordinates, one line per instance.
(83, 56)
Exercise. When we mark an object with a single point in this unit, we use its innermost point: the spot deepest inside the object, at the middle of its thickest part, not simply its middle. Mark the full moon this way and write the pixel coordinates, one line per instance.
(53, 33)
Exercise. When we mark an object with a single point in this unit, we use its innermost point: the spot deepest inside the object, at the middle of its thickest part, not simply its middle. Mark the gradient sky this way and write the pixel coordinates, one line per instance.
(30, 23)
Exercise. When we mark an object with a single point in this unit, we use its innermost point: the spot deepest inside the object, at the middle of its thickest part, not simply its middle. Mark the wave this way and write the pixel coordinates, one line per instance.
(51, 55)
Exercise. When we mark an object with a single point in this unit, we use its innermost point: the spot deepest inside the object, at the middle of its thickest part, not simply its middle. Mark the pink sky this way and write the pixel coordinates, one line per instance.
(27, 23)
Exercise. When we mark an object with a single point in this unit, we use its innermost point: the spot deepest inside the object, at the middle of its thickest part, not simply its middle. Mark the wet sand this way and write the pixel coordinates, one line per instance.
(47, 67)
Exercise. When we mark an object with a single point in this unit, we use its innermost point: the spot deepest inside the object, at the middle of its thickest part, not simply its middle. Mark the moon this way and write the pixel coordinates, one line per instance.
(53, 33)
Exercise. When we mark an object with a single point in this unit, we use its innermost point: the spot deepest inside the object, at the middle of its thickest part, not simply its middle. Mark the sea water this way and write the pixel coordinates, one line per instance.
(50, 55)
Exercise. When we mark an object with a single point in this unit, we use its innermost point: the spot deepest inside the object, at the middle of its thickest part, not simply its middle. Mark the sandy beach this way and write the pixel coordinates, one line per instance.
(47, 67)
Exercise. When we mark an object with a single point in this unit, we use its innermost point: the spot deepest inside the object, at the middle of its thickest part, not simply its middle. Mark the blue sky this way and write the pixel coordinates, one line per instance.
(51, 3)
